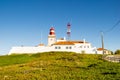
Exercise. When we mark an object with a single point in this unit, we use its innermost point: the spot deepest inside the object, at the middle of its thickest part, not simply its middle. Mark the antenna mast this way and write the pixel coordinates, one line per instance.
(68, 31)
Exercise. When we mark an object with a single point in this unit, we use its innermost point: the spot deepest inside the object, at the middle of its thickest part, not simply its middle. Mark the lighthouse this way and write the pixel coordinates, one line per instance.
(51, 36)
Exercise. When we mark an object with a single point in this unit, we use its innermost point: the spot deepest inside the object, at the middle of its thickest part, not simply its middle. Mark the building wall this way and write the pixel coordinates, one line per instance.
(51, 39)
(78, 48)
(105, 52)
(67, 48)
(99, 52)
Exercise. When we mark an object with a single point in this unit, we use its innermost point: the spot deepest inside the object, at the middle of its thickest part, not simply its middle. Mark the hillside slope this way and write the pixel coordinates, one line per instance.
(57, 66)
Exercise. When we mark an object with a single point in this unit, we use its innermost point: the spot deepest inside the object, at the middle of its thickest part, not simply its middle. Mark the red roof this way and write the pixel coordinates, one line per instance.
(68, 42)
(100, 49)
(41, 45)
(64, 43)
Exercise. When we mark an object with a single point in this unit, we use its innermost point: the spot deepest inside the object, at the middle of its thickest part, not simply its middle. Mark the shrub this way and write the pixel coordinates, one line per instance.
(117, 52)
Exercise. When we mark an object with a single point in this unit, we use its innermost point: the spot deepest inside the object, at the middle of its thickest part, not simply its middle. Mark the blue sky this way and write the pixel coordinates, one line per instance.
(23, 21)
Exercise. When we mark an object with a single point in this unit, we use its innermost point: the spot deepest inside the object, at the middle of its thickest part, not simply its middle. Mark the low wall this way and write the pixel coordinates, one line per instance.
(20, 50)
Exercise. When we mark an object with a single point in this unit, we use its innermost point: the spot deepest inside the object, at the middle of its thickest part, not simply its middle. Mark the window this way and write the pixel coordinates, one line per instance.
(59, 47)
(80, 46)
(51, 39)
(70, 47)
(55, 47)
(88, 46)
(66, 47)
(84, 46)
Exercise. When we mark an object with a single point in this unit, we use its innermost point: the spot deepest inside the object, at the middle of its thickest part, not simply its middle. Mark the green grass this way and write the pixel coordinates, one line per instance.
(14, 59)
(57, 66)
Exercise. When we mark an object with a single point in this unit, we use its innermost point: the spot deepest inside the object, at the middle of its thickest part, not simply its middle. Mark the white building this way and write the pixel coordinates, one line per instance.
(57, 45)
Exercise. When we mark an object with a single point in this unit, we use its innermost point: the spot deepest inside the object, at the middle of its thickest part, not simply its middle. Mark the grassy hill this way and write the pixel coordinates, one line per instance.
(57, 66)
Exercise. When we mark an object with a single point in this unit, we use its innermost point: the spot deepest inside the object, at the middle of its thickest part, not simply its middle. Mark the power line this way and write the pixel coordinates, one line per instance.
(102, 39)
(114, 26)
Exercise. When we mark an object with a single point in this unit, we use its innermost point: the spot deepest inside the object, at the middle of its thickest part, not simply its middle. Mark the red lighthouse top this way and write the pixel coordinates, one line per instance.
(52, 31)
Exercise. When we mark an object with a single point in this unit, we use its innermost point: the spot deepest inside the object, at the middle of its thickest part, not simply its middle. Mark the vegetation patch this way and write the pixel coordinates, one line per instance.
(57, 66)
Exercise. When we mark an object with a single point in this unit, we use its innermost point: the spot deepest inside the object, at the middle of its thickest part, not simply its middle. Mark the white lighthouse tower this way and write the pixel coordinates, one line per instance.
(51, 37)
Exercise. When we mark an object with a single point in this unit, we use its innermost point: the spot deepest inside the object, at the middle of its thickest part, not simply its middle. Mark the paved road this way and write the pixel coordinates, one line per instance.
(112, 58)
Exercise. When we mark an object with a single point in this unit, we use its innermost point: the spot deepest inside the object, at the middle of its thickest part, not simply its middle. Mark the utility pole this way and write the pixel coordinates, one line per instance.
(102, 41)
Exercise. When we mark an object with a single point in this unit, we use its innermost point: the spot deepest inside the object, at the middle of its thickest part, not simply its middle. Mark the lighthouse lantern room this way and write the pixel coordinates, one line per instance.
(51, 36)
